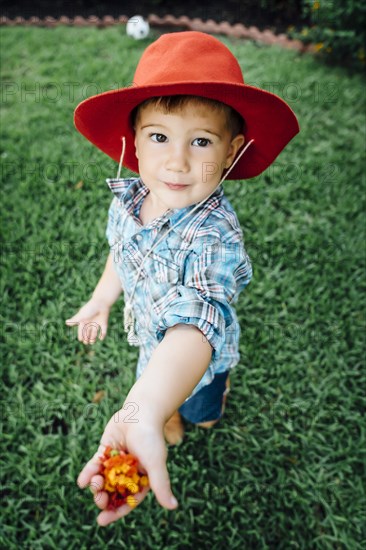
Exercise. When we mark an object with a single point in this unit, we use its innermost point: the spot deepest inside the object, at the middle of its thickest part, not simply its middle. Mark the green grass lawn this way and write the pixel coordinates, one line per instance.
(284, 468)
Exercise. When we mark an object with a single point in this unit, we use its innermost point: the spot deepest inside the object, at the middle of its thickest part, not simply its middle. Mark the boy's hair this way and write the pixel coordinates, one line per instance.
(175, 103)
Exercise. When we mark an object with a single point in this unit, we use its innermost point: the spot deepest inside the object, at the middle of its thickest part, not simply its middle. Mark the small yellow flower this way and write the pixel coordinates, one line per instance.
(131, 501)
(112, 475)
(125, 468)
(121, 480)
(108, 487)
(304, 32)
(132, 487)
(135, 478)
(319, 46)
(144, 481)
(316, 6)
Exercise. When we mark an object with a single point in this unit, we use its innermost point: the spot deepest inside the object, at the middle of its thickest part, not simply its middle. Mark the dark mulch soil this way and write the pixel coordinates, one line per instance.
(247, 12)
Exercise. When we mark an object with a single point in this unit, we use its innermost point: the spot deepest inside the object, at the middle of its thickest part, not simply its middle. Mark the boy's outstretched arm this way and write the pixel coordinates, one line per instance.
(176, 366)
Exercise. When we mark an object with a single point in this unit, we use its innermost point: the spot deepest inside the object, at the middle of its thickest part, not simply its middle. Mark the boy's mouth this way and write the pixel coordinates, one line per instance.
(175, 186)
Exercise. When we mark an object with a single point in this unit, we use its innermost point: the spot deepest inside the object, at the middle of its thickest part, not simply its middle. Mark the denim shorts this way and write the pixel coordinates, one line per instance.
(206, 404)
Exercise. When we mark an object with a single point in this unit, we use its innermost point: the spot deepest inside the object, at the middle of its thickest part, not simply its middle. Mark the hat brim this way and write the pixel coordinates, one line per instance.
(104, 118)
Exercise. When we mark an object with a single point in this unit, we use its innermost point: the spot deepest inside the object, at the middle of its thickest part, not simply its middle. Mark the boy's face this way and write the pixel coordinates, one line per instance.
(191, 148)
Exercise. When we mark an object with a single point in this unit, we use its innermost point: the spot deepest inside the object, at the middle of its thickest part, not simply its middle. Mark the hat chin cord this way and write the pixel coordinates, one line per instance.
(128, 313)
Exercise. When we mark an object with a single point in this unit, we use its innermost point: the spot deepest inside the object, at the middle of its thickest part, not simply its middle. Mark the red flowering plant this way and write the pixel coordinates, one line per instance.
(122, 479)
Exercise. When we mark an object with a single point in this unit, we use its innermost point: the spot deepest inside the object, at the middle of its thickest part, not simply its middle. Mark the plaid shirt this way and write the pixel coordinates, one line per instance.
(194, 276)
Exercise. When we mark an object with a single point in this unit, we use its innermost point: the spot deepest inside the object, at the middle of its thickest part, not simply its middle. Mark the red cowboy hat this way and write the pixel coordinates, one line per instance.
(190, 63)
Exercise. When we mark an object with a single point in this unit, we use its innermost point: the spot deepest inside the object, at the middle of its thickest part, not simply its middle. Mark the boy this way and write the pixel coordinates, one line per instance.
(176, 245)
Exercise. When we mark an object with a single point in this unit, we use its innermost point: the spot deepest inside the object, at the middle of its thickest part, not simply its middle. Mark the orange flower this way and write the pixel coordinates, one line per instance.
(122, 480)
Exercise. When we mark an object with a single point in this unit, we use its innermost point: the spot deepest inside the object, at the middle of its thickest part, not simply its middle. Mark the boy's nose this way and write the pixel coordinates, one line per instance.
(177, 160)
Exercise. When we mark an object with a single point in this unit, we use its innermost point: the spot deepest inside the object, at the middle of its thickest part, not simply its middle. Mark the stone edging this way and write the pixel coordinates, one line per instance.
(237, 31)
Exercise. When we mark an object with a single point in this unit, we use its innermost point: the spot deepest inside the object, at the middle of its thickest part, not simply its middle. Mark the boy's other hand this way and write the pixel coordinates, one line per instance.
(92, 320)
(146, 442)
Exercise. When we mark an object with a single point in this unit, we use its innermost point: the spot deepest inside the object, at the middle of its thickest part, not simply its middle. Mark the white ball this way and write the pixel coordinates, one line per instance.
(137, 27)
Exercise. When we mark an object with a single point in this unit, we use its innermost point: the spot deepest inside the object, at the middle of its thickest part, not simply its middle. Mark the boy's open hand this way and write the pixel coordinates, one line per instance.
(92, 319)
(146, 442)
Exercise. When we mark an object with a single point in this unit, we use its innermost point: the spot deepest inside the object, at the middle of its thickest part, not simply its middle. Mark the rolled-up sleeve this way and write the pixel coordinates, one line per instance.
(212, 281)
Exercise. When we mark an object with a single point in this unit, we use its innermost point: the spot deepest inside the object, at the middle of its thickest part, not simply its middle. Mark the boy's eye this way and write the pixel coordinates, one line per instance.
(159, 138)
(201, 142)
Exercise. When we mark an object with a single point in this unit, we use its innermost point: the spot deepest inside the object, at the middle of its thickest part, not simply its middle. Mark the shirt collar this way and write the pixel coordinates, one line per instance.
(188, 227)
(132, 191)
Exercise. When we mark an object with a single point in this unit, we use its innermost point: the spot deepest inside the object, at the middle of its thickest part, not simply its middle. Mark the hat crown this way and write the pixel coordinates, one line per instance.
(187, 56)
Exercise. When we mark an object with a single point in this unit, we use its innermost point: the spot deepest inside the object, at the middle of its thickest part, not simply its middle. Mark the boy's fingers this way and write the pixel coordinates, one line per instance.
(80, 332)
(88, 332)
(90, 469)
(160, 484)
(85, 332)
(108, 516)
(72, 321)
(101, 499)
(103, 331)
(96, 483)
(75, 319)
(95, 331)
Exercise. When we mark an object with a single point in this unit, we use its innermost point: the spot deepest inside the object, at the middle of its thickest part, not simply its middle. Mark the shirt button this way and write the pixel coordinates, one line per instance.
(138, 237)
